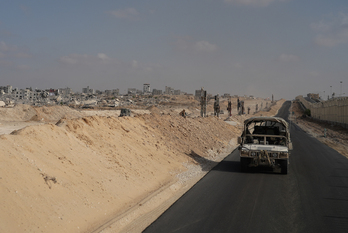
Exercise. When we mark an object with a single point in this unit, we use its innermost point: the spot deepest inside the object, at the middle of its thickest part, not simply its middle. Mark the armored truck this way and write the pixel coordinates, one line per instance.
(266, 142)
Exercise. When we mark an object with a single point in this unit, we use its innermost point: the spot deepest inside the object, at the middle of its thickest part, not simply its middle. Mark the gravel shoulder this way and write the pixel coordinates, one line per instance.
(335, 137)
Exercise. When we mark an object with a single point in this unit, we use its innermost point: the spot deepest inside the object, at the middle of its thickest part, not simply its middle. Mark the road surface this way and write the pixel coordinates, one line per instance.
(313, 197)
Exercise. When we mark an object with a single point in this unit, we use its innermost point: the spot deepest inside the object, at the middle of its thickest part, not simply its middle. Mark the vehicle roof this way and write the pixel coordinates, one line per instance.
(265, 118)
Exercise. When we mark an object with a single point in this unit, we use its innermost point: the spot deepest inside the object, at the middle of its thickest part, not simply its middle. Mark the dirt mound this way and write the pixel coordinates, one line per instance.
(273, 109)
(45, 113)
(18, 113)
(75, 175)
(154, 110)
(54, 113)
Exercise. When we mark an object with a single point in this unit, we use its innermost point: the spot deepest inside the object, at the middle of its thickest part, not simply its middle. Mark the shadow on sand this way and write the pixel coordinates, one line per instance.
(207, 165)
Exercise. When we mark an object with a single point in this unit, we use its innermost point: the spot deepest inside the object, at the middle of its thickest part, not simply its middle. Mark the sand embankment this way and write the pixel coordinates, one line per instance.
(273, 109)
(84, 171)
(79, 173)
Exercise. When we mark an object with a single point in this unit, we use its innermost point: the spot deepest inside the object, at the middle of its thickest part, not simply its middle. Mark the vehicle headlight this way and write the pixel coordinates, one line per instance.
(253, 153)
(274, 154)
(244, 152)
(283, 155)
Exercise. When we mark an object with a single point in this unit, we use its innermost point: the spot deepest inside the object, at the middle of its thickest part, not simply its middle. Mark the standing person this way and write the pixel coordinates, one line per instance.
(241, 108)
(217, 106)
(229, 108)
(203, 103)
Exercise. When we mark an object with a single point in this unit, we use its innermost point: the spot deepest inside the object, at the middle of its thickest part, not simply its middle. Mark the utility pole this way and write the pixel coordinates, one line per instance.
(341, 89)
(330, 92)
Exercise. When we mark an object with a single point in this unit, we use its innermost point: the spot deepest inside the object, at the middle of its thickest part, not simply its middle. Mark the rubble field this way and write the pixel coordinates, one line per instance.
(68, 170)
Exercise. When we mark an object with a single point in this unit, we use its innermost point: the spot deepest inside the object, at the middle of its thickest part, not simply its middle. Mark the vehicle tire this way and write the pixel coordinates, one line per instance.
(284, 166)
(244, 162)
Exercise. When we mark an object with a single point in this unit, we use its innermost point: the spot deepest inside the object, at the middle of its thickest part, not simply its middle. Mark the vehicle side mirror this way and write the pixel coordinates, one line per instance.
(290, 145)
(239, 140)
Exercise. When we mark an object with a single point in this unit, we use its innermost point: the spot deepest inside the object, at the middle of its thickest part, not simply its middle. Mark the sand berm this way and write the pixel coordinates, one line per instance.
(80, 174)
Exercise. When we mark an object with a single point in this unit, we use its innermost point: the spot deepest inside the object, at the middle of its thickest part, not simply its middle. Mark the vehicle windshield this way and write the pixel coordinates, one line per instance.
(265, 133)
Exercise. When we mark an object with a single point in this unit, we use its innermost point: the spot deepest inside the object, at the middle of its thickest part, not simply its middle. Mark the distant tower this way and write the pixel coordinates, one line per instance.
(146, 88)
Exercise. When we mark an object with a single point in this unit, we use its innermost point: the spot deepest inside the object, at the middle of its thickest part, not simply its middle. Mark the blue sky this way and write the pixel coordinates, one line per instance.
(253, 47)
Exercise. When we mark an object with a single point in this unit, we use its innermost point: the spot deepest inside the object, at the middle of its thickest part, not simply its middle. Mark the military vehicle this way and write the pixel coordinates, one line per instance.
(266, 142)
(125, 112)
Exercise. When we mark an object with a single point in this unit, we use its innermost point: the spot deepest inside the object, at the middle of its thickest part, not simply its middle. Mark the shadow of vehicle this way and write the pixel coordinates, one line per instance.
(205, 164)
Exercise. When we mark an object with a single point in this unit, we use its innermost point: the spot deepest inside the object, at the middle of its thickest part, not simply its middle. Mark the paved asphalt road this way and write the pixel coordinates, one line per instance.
(313, 197)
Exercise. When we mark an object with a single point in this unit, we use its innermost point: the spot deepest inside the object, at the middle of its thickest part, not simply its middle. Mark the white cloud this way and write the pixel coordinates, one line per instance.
(329, 40)
(142, 67)
(129, 13)
(331, 32)
(4, 47)
(103, 56)
(205, 46)
(84, 59)
(188, 44)
(101, 60)
(288, 58)
(12, 51)
(69, 59)
(321, 26)
(135, 64)
(253, 2)
(149, 68)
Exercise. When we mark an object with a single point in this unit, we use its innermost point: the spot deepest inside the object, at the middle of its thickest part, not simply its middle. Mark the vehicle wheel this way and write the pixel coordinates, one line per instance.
(244, 162)
(284, 166)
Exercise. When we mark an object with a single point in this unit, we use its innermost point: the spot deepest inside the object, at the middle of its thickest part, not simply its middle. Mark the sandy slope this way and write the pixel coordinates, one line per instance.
(72, 176)
(76, 175)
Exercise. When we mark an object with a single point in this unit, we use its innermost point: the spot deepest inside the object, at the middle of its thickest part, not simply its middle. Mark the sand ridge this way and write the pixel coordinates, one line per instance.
(73, 176)
(73, 171)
